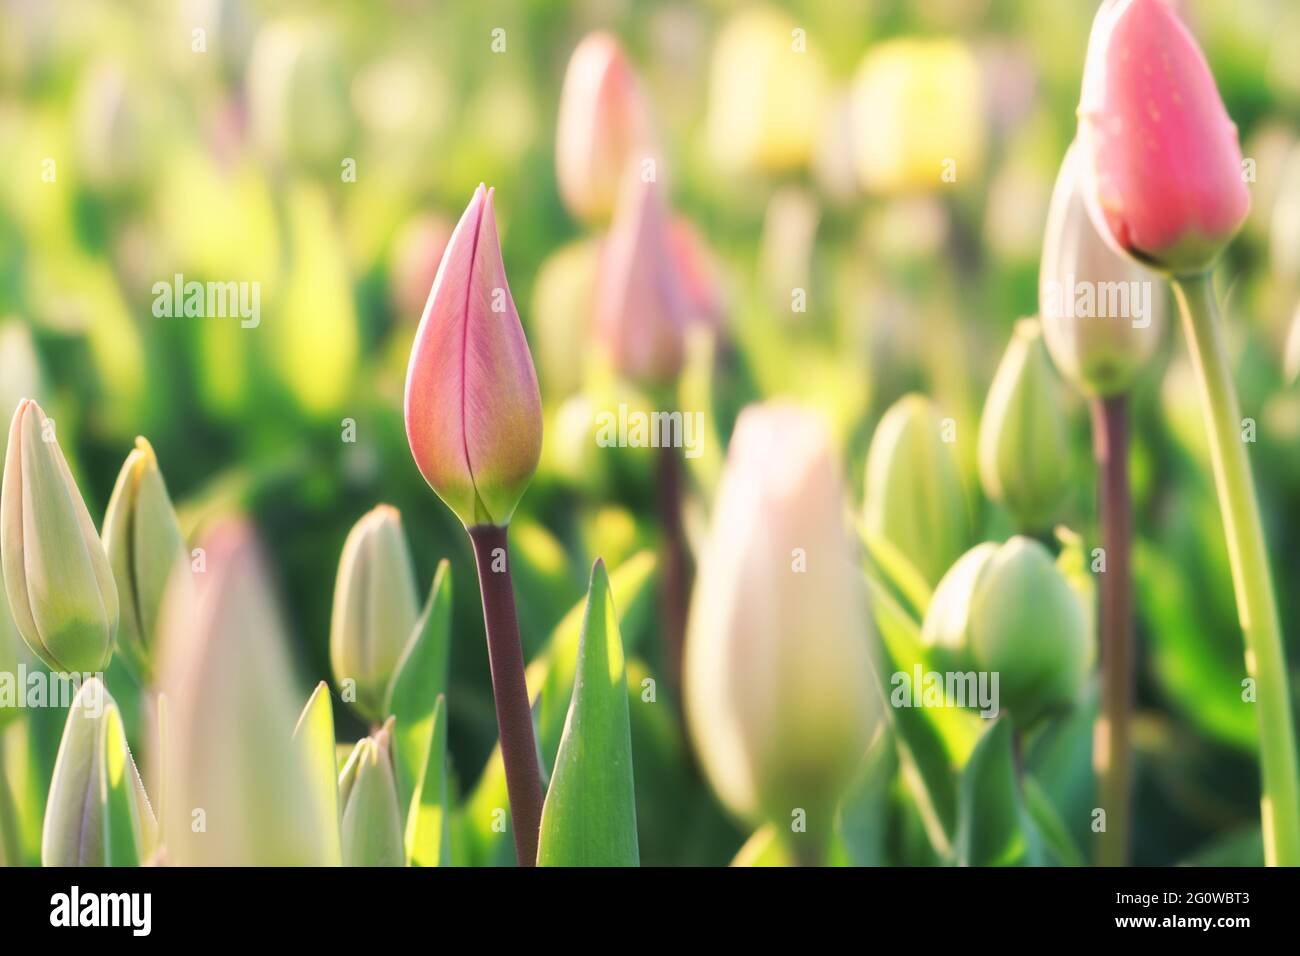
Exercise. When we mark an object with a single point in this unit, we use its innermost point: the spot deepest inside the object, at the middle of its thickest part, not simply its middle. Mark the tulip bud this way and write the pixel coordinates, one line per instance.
(1162, 164)
(1009, 610)
(375, 608)
(1102, 313)
(57, 577)
(641, 303)
(918, 115)
(604, 127)
(778, 687)
(473, 409)
(699, 273)
(145, 547)
(81, 824)
(766, 93)
(371, 818)
(914, 493)
(237, 788)
(1023, 449)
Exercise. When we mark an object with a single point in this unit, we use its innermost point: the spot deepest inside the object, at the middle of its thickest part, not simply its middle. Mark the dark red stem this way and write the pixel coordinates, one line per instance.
(509, 689)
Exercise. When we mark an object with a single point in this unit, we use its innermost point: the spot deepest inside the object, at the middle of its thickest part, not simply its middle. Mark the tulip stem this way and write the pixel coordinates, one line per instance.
(1251, 574)
(1112, 749)
(509, 689)
(675, 572)
(10, 845)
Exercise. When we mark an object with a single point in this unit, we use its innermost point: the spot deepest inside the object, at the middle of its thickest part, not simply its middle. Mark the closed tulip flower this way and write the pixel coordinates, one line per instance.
(914, 493)
(57, 577)
(84, 825)
(371, 816)
(473, 409)
(145, 548)
(1010, 610)
(1162, 163)
(604, 127)
(779, 689)
(1023, 449)
(1102, 313)
(375, 609)
(236, 788)
(642, 305)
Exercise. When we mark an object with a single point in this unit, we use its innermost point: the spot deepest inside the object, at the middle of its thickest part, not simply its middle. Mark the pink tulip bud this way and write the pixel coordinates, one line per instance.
(604, 125)
(473, 410)
(699, 272)
(1163, 176)
(642, 303)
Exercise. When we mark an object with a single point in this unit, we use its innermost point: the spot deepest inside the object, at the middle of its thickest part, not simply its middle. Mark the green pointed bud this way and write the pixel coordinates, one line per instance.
(944, 631)
(1009, 610)
(57, 577)
(97, 813)
(371, 813)
(914, 494)
(145, 548)
(1023, 448)
(375, 610)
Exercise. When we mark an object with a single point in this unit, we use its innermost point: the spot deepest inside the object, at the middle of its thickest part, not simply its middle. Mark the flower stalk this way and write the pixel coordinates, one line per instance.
(509, 689)
(675, 578)
(1251, 575)
(1112, 747)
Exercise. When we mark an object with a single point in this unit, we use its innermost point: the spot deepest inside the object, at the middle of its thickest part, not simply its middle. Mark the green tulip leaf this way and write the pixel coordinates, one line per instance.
(129, 826)
(314, 736)
(861, 825)
(428, 831)
(550, 676)
(420, 678)
(1052, 832)
(589, 818)
(991, 828)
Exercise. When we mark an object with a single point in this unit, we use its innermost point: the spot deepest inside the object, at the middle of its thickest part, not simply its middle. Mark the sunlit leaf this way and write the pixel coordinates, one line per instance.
(589, 818)
(314, 736)
(420, 678)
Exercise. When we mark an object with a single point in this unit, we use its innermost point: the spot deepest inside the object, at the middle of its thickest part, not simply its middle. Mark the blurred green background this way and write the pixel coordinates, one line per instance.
(128, 154)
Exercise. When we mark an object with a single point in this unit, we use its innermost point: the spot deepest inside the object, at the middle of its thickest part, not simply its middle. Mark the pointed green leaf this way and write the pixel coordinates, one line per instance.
(991, 817)
(128, 819)
(550, 679)
(314, 735)
(589, 818)
(428, 832)
(1052, 833)
(861, 825)
(420, 678)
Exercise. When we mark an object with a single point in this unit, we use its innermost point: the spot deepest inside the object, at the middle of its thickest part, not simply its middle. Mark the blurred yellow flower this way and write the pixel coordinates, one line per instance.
(918, 115)
(766, 93)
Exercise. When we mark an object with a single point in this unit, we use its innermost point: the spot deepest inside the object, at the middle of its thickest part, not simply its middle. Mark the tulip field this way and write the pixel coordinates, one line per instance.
(770, 433)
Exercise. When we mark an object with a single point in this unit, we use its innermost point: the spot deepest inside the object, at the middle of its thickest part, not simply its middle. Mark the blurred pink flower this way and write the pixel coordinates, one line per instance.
(603, 124)
(1163, 176)
(473, 409)
(642, 300)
